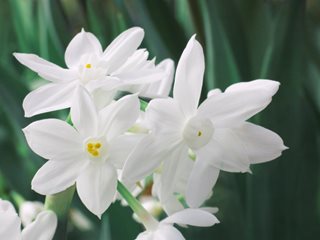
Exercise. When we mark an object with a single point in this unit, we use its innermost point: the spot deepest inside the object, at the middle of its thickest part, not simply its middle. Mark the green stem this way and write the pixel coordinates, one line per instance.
(60, 204)
(146, 218)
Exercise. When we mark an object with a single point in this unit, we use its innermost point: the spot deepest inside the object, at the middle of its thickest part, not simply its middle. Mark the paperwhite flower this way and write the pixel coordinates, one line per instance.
(217, 131)
(42, 228)
(89, 154)
(165, 229)
(101, 72)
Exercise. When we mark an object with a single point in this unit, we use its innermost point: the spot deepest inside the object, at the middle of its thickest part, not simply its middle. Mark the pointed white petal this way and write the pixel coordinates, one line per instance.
(84, 114)
(97, 187)
(165, 117)
(226, 152)
(193, 217)
(189, 77)
(261, 144)
(9, 221)
(83, 43)
(45, 69)
(43, 227)
(202, 179)
(52, 137)
(56, 176)
(238, 103)
(119, 116)
(170, 171)
(120, 148)
(144, 160)
(123, 47)
(50, 97)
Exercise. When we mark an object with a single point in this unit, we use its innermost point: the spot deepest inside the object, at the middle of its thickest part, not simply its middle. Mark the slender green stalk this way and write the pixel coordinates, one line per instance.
(146, 218)
(60, 204)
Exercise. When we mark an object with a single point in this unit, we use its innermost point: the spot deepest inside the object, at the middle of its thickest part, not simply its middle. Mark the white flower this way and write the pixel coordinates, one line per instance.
(165, 229)
(42, 228)
(217, 131)
(89, 154)
(101, 72)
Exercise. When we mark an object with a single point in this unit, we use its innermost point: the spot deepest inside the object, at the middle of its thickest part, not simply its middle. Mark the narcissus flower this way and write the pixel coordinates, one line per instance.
(216, 133)
(165, 230)
(100, 72)
(88, 154)
(42, 228)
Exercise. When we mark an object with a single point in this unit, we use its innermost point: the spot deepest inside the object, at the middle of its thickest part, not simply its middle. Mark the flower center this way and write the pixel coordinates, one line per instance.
(96, 148)
(88, 65)
(197, 132)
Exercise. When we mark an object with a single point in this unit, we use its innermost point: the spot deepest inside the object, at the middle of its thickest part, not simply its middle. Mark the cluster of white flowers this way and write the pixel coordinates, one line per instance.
(182, 146)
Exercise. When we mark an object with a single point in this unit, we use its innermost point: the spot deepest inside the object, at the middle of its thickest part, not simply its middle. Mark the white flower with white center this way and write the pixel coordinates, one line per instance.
(165, 230)
(217, 131)
(100, 72)
(42, 228)
(87, 154)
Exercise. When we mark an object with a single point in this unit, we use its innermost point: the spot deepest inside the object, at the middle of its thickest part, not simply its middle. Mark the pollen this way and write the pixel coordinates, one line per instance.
(93, 148)
(199, 134)
(88, 65)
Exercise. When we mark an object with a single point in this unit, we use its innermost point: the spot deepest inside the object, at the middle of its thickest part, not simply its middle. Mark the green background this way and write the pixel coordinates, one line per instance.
(243, 40)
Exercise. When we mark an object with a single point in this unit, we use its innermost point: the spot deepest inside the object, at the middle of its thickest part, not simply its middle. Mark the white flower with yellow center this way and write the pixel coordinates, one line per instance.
(42, 228)
(100, 72)
(88, 154)
(216, 132)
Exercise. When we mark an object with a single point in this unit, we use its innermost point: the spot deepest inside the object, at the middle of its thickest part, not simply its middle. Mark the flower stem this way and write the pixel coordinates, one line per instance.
(145, 217)
(60, 204)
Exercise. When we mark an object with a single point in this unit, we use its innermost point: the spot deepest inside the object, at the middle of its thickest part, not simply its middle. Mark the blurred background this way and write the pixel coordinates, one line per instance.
(243, 40)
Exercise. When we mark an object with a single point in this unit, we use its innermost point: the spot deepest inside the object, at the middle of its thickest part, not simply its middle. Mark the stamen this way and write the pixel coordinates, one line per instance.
(93, 148)
(199, 134)
(88, 65)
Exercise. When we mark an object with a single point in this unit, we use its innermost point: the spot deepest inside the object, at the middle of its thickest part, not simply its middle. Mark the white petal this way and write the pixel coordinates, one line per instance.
(119, 116)
(50, 97)
(51, 138)
(83, 43)
(193, 217)
(123, 47)
(161, 88)
(164, 232)
(189, 77)
(165, 117)
(45, 69)
(84, 114)
(56, 176)
(145, 76)
(97, 187)
(226, 152)
(202, 179)
(238, 103)
(43, 228)
(120, 148)
(144, 160)
(9, 221)
(170, 171)
(166, 83)
(261, 144)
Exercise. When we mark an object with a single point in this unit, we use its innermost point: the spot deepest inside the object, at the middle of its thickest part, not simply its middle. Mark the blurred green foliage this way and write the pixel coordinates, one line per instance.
(243, 40)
